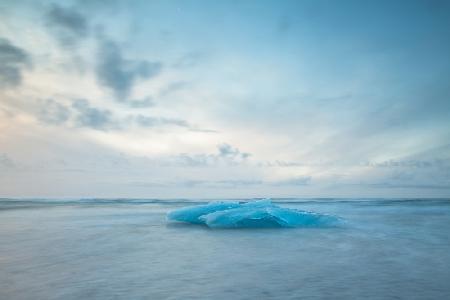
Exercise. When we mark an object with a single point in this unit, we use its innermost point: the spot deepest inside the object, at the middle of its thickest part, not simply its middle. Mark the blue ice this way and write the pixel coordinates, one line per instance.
(251, 214)
(192, 214)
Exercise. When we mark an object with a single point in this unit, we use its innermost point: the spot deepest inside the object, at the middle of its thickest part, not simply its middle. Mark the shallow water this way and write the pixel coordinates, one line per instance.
(125, 249)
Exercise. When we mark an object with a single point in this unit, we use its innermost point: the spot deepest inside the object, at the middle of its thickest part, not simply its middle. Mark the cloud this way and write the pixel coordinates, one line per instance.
(91, 117)
(299, 180)
(227, 151)
(12, 62)
(54, 113)
(199, 183)
(6, 161)
(150, 121)
(232, 183)
(146, 121)
(173, 87)
(82, 114)
(68, 25)
(120, 74)
(225, 154)
(196, 129)
(419, 164)
(227, 184)
(386, 185)
(189, 60)
(141, 103)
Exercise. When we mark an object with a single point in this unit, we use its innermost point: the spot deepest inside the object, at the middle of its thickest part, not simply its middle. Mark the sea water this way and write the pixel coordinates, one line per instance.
(126, 249)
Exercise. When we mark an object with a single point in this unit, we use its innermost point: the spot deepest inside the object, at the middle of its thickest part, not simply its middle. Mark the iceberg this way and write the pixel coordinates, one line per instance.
(255, 214)
(192, 214)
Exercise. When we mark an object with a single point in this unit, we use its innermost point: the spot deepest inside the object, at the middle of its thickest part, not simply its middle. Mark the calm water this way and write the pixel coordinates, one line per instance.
(124, 249)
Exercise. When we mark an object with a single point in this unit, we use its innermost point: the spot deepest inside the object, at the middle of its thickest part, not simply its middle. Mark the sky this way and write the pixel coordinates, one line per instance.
(224, 99)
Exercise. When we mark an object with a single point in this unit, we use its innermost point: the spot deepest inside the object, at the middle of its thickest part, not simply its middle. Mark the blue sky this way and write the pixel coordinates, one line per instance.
(219, 99)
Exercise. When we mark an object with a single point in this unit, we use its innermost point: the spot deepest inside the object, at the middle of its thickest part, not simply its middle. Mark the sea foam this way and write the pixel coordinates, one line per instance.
(254, 214)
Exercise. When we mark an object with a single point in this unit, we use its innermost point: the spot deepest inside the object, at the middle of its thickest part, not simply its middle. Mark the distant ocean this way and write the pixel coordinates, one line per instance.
(126, 249)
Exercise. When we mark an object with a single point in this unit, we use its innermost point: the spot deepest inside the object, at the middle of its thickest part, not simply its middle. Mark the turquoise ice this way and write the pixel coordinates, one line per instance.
(254, 214)
(192, 214)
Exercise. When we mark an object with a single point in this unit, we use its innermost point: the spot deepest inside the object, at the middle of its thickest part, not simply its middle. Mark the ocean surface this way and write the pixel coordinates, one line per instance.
(126, 249)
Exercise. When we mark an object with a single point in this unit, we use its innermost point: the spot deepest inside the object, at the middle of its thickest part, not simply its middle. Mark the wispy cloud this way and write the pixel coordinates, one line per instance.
(298, 180)
(6, 161)
(190, 59)
(92, 117)
(406, 163)
(218, 184)
(141, 103)
(228, 151)
(147, 121)
(53, 112)
(13, 60)
(387, 185)
(225, 154)
(173, 87)
(82, 113)
(67, 24)
(120, 74)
